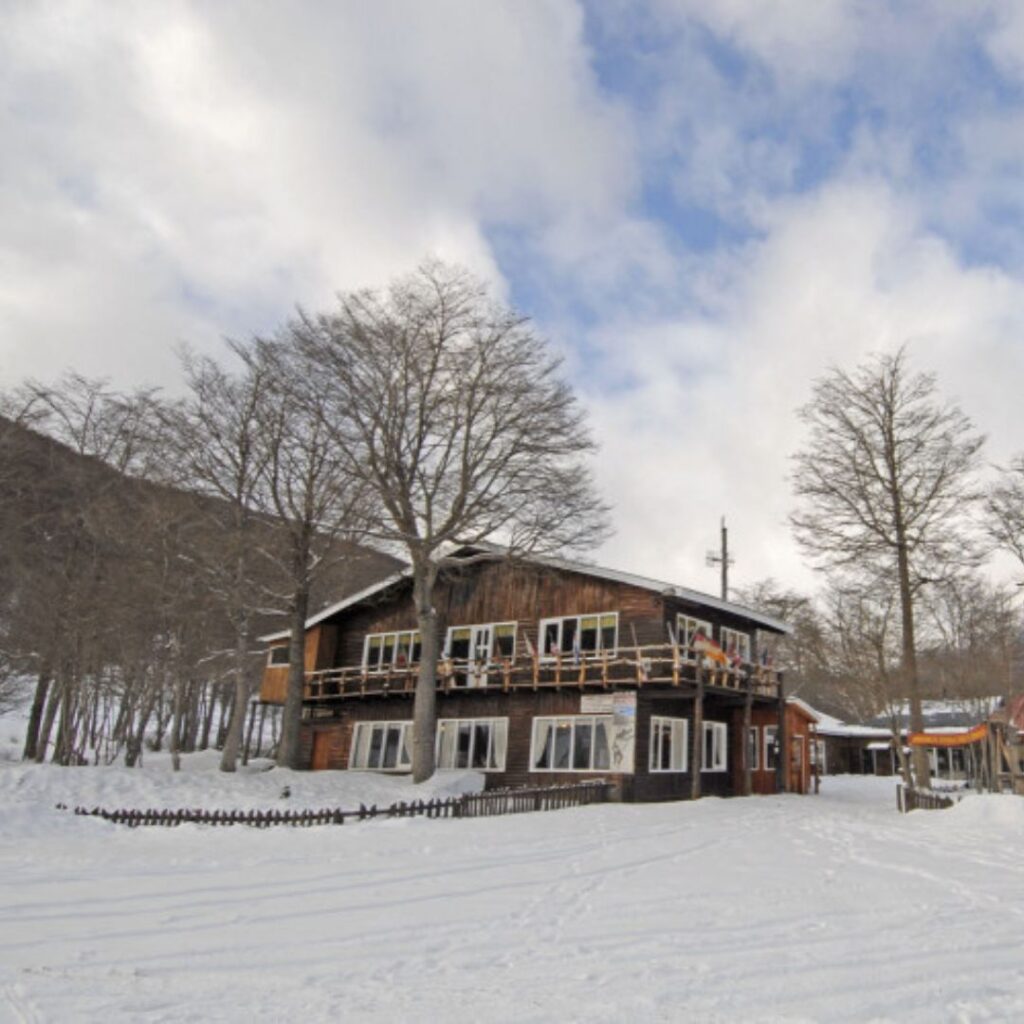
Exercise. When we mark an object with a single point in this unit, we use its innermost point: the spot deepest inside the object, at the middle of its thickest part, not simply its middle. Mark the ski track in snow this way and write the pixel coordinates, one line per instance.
(827, 908)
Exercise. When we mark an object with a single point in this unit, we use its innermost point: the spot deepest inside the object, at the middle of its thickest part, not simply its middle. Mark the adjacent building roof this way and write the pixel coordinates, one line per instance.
(584, 568)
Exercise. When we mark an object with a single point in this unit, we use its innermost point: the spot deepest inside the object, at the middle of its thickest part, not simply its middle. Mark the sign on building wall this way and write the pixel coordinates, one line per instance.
(622, 708)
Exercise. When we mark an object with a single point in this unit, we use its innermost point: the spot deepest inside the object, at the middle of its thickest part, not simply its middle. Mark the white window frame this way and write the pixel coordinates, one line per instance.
(719, 747)
(679, 735)
(687, 627)
(279, 664)
(771, 732)
(742, 642)
(560, 620)
(492, 626)
(359, 747)
(555, 720)
(397, 634)
(494, 744)
(754, 733)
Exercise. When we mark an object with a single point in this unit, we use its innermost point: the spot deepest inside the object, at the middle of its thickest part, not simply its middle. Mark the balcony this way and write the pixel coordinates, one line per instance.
(664, 666)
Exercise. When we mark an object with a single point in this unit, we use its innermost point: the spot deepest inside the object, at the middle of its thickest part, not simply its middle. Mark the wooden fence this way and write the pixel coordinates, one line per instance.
(908, 799)
(469, 805)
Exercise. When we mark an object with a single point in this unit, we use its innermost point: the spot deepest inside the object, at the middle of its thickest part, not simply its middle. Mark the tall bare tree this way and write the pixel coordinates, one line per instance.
(1004, 508)
(307, 489)
(223, 455)
(884, 482)
(450, 411)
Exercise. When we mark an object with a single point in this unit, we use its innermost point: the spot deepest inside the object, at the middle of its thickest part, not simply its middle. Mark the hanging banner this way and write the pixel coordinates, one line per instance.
(947, 739)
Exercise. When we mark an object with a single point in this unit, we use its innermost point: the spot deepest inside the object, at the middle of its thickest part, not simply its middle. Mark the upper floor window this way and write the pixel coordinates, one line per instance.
(736, 642)
(687, 627)
(383, 651)
(279, 655)
(579, 635)
(481, 642)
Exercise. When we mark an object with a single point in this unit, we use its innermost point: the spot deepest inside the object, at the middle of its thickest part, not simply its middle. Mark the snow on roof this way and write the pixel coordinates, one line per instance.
(815, 716)
(829, 725)
(584, 568)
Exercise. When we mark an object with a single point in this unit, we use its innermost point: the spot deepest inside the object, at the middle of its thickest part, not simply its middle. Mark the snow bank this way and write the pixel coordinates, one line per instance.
(990, 811)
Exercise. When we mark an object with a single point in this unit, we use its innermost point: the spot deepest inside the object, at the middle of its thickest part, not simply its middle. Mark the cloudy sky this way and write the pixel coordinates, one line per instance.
(703, 206)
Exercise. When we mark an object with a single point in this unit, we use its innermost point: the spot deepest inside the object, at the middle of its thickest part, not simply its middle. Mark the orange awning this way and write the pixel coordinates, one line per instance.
(949, 739)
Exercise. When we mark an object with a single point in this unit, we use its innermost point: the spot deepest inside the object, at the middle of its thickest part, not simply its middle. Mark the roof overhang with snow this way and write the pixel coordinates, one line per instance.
(583, 568)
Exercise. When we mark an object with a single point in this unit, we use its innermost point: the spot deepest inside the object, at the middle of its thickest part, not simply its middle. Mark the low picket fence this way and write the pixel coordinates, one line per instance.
(468, 805)
(908, 799)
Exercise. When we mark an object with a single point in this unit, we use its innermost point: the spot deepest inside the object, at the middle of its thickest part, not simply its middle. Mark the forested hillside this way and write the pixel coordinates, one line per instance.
(112, 618)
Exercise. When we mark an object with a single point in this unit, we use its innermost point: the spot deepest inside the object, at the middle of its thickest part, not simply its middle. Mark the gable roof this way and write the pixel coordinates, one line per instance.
(567, 565)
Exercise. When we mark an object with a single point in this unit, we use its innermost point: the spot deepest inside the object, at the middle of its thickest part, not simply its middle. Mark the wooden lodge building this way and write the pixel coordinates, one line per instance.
(551, 672)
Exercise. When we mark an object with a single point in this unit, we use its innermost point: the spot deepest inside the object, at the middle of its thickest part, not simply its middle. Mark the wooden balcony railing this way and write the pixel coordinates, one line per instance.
(658, 665)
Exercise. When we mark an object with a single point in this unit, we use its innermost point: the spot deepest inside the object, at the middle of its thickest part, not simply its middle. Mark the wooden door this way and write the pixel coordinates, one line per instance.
(797, 783)
(321, 750)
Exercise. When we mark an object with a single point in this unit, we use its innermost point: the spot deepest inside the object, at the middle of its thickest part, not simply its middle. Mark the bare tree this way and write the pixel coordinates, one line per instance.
(885, 480)
(223, 455)
(1004, 508)
(864, 652)
(307, 488)
(450, 411)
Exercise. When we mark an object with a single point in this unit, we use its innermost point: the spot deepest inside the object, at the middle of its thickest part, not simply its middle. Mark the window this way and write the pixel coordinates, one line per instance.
(579, 635)
(752, 759)
(716, 736)
(279, 656)
(383, 651)
(472, 743)
(668, 744)
(574, 743)
(381, 746)
(736, 642)
(687, 628)
(481, 643)
(771, 753)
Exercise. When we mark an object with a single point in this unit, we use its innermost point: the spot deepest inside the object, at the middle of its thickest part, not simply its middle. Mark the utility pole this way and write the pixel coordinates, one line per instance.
(722, 559)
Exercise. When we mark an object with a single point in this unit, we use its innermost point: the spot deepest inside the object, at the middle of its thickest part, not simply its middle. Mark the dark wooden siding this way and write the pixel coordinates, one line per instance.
(521, 707)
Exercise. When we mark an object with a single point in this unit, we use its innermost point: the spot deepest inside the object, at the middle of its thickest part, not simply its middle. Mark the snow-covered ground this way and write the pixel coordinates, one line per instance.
(827, 908)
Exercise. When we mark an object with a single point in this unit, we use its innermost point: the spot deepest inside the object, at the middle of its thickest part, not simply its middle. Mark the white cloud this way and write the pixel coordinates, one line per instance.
(176, 171)
(709, 425)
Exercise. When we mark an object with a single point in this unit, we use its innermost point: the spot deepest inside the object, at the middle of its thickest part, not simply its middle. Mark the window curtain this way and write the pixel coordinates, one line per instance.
(541, 743)
(499, 743)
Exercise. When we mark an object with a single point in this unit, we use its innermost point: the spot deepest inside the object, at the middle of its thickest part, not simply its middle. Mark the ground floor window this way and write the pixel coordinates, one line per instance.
(472, 743)
(381, 746)
(572, 743)
(668, 744)
(753, 761)
(716, 735)
(771, 752)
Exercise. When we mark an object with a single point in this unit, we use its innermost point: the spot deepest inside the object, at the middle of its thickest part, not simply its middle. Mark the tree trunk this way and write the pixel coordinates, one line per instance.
(288, 749)
(35, 718)
(424, 711)
(922, 772)
(174, 740)
(236, 727)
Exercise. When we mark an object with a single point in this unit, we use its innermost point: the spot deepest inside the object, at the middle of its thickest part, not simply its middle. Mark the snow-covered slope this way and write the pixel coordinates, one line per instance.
(828, 908)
